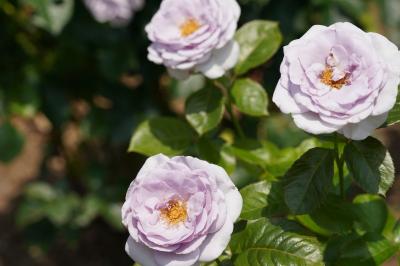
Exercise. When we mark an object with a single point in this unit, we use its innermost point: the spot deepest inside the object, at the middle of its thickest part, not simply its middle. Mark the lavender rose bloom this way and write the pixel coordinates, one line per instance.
(179, 211)
(116, 12)
(339, 78)
(195, 36)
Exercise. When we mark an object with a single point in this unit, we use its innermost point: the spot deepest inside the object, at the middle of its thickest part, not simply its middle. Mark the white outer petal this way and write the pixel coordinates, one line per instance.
(140, 253)
(216, 243)
(285, 101)
(313, 124)
(365, 128)
(173, 259)
(220, 61)
(234, 203)
(387, 97)
(151, 163)
(388, 51)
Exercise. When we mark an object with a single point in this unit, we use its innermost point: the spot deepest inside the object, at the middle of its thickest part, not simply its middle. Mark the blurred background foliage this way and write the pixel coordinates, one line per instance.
(72, 91)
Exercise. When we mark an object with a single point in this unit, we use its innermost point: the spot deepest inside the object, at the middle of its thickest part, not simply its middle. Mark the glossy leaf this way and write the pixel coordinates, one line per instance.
(309, 180)
(396, 232)
(216, 152)
(364, 159)
(166, 135)
(252, 151)
(394, 114)
(371, 212)
(283, 159)
(262, 199)
(249, 97)
(204, 109)
(262, 243)
(387, 174)
(259, 40)
(334, 216)
(353, 250)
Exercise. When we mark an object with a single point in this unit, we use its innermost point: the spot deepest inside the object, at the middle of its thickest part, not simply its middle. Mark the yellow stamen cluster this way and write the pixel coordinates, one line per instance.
(326, 78)
(175, 212)
(189, 27)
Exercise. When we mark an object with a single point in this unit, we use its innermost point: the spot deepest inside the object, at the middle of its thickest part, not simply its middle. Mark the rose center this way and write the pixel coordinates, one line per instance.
(174, 212)
(189, 27)
(326, 77)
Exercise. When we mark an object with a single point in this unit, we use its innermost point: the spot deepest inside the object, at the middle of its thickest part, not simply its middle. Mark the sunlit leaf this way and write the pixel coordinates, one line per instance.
(259, 40)
(166, 135)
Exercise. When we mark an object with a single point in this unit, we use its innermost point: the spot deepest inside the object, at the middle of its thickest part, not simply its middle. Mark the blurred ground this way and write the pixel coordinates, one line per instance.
(14, 251)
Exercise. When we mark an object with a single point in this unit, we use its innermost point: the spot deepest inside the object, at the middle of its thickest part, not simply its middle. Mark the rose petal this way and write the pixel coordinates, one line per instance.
(311, 123)
(216, 243)
(220, 61)
(140, 253)
(285, 101)
(387, 97)
(363, 129)
(172, 259)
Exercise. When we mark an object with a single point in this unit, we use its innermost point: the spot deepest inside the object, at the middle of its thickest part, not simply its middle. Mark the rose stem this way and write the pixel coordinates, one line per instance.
(339, 163)
(229, 108)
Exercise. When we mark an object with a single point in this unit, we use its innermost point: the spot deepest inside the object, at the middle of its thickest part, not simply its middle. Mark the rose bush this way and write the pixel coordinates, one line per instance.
(116, 12)
(306, 200)
(194, 36)
(179, 211)
(339, 78)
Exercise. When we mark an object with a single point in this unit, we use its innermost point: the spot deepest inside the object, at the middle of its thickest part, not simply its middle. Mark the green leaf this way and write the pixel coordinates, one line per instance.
(387, 173)
(166, 135)
(184, 88)
(396, 232)
(364, 159)
(262, 243)
(259, 40)
(311, 225)
(249, 97)
(252, 151)
(282, 159)
(262, 199)
(371, 212)
(11, 142)
(217, 153)
(309, 180)
(394, 114)
(204, 109)
(353, 250)
(51, 15)
(268, 156)
(334, 216)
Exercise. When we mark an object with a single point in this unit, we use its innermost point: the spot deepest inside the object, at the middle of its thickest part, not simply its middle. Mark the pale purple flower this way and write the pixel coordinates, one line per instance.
(179, 211)
(339, 78)
(190, 36)
(115, 12)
